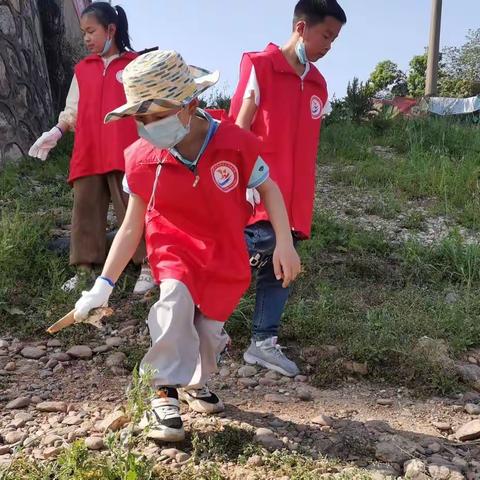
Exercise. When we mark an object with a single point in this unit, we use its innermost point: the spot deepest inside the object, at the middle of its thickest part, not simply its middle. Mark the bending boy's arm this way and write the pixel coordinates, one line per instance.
(286, 261)
(127, 239)
(247, 112)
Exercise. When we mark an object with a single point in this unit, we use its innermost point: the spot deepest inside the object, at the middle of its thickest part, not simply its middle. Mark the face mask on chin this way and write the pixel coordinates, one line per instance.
(164, 133)
(300, 49)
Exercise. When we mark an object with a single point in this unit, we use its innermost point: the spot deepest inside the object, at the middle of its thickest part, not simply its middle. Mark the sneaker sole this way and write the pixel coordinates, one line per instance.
(167, 434)
(197, 405)
(252, 360)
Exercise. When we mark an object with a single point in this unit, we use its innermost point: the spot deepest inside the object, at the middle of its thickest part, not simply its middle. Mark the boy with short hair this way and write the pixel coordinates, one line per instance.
(280, 97)
(187, 177)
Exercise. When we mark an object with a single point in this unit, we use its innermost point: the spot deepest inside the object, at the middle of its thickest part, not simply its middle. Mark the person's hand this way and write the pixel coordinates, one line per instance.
(45, 143)
(96, 297)
(286, 263)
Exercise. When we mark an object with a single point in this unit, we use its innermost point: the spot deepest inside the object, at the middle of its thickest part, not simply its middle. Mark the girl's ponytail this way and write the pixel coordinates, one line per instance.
(122, 38)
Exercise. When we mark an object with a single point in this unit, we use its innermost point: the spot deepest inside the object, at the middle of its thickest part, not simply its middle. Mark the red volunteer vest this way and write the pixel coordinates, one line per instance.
(195, 234)
(288, 121)
(99, 147)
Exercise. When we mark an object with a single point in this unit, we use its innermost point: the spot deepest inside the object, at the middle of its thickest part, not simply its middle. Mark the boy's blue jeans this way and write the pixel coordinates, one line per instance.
(271, 297)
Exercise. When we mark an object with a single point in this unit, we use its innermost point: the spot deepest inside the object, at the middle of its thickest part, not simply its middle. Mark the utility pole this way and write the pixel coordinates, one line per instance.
(431, 84)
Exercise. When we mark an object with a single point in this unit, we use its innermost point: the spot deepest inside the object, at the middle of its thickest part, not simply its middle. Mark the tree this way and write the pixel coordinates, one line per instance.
(387, 77)
(358, 101)
(416, 75)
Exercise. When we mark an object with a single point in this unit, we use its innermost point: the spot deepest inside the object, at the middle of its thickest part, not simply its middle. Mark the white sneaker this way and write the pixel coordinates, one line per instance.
(164, 420)
(268, 354)
(201, 400)
(145, 281)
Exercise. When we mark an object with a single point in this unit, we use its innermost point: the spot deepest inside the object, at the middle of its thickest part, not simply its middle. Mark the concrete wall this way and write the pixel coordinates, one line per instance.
(25, 98)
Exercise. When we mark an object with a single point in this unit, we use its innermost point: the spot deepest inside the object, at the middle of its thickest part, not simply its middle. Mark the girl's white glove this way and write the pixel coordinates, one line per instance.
(95, 298)
(45, 143)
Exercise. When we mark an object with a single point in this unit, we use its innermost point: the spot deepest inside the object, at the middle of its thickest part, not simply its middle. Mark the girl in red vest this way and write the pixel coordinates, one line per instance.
(187, 177)
(97, 165)
(280, 97)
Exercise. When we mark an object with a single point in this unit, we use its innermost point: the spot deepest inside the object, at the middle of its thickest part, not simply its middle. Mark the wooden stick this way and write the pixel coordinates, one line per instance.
(94, 319)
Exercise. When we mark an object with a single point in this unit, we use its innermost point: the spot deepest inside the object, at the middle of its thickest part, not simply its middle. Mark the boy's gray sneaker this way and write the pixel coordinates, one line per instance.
(268, 354)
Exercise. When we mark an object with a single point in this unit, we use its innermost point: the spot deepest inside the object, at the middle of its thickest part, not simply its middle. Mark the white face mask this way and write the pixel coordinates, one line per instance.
(164, 133)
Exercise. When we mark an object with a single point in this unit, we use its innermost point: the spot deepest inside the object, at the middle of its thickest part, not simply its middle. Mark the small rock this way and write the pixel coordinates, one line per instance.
(301, 378)
(14, 437)
(267, 439)
(443, 472)
(304, 395)
(248, 382)
(275, 398)
(114, 341)
(51, 407)
(59, 368)
(4, 344)
(246, 371)
(50, 439)
(434, 447)
(451, 298)
(114, 422)
(170, 452)
(20, 402)
(10, 366)
(272, 375)
(442, 426)
(72, 420)
(355, 367)
(415, 470)
(267, 382)
(116, 359)
(94, 443)
(60, 356)
(255, 461)
(323, 420)
(101, 349)
(5, 450)
(54, 343)
(386, 402)
(80, 351)
(472, 409)
(51, 452)
(395, 450)
(32, 353)
(469, 431)
(224, 372)
(182, 457)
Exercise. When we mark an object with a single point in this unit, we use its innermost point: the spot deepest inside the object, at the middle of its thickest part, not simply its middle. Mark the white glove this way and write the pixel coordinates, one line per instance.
(253, 197)
(45, 143)
(96, 297)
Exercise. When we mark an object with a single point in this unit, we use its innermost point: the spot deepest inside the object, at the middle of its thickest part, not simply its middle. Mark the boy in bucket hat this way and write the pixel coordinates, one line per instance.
(187, 177)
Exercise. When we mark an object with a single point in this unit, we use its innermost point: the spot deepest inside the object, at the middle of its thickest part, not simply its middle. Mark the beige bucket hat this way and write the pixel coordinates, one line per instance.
(159, 81)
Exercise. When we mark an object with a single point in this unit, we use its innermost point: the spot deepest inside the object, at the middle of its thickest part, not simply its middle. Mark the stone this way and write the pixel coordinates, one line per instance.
(60, 357)
(170, 452)
(267, 439)
(255, 461)
(275, 398)
(15, 437)
(51, 407)
(19, 402)
(248, 382)
(54, 343)
(72, 420)
(32, 353)
(224, 372)
(94, 443)
(4, 344)
(101, 349)
(113, 341)
(272, 375)
(385, 402)
(323, 420)
(472, 409)
(444, 472)
(182, 457)
(470, 374)
(301, 378)
(395, 450)
(442, 426)
(246, 371)
(83, 352)
(10, 366)
(50, 439)
(267, 382)
(114, 422)
(5, 450)
(52, 363)
(434, 447)
(51, 452)
(304, 394)
(117, 359)
(379, 471)
(469, 431)
(415, 470)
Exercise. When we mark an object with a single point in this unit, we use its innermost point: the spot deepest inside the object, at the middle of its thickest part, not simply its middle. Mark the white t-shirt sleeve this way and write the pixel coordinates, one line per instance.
(69, 114)
(252, 86)
(125, 186)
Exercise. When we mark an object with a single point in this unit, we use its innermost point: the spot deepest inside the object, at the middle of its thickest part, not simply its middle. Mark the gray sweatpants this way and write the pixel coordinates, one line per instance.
(184, 343)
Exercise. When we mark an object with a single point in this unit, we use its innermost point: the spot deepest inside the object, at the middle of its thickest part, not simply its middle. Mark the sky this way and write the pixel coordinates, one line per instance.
(214, 33)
